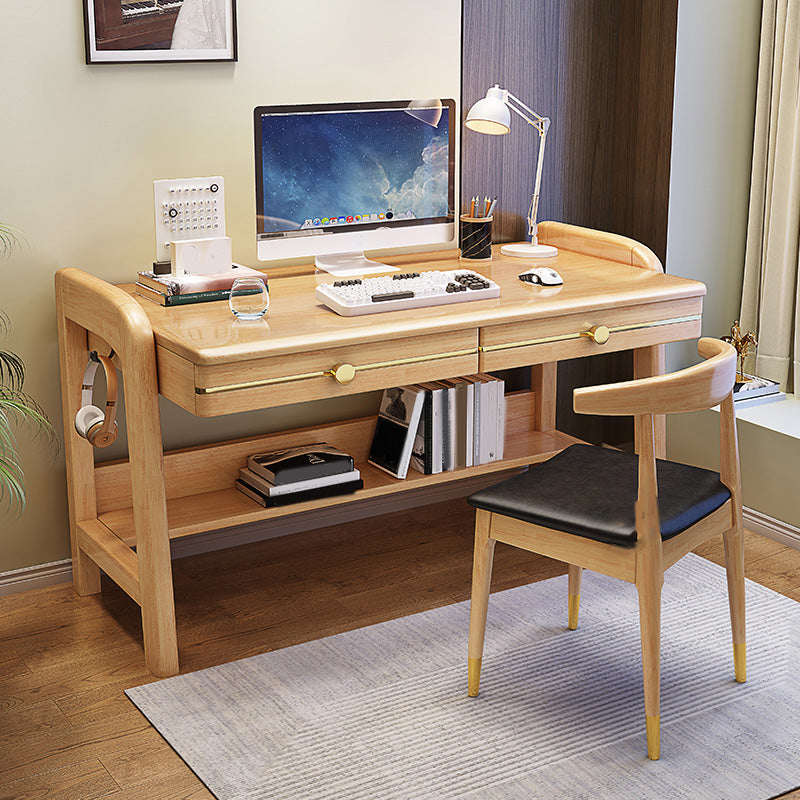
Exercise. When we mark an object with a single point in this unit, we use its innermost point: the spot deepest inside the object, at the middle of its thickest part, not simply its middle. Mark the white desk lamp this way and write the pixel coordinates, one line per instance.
(491, 115)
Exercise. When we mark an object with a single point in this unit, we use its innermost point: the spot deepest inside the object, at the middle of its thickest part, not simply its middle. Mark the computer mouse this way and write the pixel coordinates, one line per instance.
(545, 276)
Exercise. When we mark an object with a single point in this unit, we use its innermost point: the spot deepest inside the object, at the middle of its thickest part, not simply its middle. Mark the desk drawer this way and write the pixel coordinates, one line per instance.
(539, 341)
(209, 390)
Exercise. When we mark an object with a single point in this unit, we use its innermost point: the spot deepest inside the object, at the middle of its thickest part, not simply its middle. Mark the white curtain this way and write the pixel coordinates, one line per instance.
(200, 25)
(771, 293)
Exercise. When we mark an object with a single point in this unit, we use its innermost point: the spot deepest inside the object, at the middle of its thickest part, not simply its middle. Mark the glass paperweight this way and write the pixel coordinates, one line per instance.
(249, 298)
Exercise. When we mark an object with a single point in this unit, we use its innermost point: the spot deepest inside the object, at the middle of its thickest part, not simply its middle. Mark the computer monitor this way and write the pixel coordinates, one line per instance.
(335, 179)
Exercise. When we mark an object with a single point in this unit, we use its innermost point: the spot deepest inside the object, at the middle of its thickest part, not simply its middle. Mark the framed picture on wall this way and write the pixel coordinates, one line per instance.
(159, 31)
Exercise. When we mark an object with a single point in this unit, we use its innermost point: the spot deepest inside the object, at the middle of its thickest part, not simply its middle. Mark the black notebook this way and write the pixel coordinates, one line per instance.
(300, 463)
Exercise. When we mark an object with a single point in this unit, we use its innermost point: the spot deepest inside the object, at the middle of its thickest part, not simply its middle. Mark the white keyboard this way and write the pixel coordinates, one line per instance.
(357, 296)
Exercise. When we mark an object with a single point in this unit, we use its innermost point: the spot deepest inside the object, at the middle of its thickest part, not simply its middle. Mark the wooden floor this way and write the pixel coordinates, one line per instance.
(68, 731)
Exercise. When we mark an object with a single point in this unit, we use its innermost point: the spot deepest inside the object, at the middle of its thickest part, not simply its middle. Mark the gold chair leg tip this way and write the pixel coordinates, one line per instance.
(653, 738)
(574, 605)
(740, 662)
(474, 680)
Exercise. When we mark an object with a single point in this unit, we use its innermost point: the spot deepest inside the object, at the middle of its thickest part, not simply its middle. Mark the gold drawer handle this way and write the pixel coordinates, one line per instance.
(598, 334)
(343, 374)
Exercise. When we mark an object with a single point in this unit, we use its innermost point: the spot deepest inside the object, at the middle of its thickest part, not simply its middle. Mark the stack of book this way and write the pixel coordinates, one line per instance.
(300, 473)
(173, 290)
(442, 425)
(755, 391)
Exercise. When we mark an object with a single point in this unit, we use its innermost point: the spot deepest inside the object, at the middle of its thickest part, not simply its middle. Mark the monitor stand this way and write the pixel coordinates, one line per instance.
(345, 265)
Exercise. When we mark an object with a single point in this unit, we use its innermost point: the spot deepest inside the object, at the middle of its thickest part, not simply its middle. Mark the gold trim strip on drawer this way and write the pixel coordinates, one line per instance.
(564, 337)
(397, 362)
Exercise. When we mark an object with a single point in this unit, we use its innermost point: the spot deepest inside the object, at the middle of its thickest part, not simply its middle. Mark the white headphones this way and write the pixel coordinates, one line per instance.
(97, 427)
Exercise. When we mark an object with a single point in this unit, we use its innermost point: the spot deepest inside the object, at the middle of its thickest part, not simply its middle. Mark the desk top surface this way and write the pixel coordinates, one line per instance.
(207, 333)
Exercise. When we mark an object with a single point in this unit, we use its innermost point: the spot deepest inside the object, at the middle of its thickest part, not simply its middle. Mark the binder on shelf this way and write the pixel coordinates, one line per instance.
(396, 428)
(301, 463)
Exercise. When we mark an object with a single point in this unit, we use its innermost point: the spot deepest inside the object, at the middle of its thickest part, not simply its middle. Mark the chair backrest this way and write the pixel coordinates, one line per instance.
(702, 386)
(698, 387)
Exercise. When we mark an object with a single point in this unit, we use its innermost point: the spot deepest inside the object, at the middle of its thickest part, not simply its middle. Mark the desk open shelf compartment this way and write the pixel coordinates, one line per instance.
(200, 481)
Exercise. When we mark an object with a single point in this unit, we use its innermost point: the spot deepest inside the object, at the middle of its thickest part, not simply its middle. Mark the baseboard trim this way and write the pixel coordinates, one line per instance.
(41, 575)
(36, 577)
(772, 528)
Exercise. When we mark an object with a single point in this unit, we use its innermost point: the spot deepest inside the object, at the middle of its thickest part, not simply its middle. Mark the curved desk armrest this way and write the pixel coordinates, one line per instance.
(598, 243)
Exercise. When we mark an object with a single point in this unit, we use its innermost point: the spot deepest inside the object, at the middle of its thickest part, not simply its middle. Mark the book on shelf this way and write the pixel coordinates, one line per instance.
(448, 426)
(192, 284)
(301, 463)
(185, 299)
(396, 429)
(271, 490)
(487, 422)
(755, 387)
(426, 454)
(462, 420)
(270, 501)
(462, 423)
(500, 433)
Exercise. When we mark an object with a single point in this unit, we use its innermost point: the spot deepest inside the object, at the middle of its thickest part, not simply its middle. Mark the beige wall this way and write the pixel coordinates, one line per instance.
(80, 146)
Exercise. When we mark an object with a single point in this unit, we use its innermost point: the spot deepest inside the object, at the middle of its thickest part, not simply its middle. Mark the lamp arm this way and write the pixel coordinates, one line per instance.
(542, 124)
(533, 228)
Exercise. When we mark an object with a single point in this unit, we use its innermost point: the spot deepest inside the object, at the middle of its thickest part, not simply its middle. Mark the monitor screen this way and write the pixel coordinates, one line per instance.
(337, 178)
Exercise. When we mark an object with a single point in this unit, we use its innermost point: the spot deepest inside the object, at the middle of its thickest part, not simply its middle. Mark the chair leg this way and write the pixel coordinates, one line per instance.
(650, 623)
(479, 604)
(733, 540)
(575, 575)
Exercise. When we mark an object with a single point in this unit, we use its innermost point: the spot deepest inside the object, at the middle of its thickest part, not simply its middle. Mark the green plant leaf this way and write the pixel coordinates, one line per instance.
(10, 239)
(12, 370)
(16, 407)
(12, 479)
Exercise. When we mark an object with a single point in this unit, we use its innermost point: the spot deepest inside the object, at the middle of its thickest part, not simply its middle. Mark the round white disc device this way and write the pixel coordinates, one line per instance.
(528, 250)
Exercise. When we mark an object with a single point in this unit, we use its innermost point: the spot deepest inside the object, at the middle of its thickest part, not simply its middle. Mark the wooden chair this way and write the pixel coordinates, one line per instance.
(622, 515)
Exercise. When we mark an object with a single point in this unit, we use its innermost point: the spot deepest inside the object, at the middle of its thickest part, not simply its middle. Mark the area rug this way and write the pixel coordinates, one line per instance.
(382, 712)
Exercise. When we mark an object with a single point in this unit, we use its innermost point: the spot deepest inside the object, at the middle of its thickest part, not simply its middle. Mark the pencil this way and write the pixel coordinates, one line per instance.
(472, 208)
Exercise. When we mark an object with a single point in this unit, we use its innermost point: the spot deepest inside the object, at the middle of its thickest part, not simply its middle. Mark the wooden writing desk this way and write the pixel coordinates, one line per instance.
(199, 357)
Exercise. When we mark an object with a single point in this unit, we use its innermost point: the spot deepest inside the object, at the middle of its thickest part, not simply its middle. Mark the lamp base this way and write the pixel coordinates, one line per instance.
(528, 250)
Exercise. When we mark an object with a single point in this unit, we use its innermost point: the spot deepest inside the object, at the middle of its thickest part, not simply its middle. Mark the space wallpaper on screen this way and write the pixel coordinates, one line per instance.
(327, 166)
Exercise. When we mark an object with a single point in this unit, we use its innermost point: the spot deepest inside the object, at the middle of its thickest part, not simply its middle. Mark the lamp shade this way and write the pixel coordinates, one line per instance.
(491, 114)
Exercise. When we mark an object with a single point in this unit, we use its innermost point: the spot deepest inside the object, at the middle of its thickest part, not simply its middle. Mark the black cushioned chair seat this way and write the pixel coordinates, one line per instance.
(591, 491)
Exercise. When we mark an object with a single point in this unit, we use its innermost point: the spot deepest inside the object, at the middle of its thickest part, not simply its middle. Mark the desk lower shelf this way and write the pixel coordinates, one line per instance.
(201, 496)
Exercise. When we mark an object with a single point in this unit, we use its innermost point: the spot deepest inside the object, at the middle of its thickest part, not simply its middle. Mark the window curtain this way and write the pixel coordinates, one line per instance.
(771, 292)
